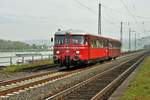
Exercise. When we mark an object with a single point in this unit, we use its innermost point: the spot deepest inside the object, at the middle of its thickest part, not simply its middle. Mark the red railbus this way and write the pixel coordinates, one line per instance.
(73, 47)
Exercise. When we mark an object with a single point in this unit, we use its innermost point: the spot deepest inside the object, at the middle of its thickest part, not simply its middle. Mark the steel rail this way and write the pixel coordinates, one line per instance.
(22, 87)
(77, 86)
(116, 82)
(15, 89)
(7, 82)
(25, 86)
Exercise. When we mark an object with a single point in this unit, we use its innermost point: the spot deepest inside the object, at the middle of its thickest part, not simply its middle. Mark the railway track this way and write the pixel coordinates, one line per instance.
(22, 84)
(41, 68)
(10, 87)
(100, 86)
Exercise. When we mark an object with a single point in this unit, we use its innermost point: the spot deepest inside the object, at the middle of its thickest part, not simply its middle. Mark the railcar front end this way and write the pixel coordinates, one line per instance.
(70, 49)
(75, 48)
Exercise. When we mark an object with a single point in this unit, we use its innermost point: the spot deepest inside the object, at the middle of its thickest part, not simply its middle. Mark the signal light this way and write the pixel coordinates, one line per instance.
(77, 52)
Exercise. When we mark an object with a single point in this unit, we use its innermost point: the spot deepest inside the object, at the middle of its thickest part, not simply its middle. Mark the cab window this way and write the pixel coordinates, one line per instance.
(77, 39)
(59, 39)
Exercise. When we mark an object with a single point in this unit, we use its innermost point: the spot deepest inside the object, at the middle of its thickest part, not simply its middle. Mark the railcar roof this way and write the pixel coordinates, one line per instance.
(80, 32)
(71, 31)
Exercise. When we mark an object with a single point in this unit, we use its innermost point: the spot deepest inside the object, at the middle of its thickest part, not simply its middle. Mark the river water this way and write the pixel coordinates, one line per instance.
(6, 61)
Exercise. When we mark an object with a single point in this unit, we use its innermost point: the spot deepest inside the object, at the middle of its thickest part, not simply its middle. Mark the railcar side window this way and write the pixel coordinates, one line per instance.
(59, 39)
(105, 43)
(102, 43)
(110, 45)
(93, 44)
(114, 44)
(77, 39)
(98, 43)
(118, 44)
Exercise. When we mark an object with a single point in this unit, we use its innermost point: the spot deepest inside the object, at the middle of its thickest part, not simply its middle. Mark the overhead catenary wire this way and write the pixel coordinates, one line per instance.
(143, 17)
(85, 6)
(134, 16)
(114, 10)
(129, 12)
(92, 11)
(108, 16)
(112, 14)
(122, 13)
(117, 11)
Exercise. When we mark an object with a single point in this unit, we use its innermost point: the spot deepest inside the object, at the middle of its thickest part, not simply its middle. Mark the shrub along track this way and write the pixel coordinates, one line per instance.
(100, 86)
(11, 87)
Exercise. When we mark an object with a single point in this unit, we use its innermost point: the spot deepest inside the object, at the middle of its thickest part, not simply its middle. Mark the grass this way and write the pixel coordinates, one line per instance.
(139, 88)
(19, 67)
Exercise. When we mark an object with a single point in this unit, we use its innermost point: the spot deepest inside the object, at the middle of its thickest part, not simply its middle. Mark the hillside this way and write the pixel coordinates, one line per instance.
(7, 45)
(39, 42)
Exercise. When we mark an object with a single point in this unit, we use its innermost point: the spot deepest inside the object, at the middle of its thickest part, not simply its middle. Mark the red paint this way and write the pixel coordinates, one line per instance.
(86, 51)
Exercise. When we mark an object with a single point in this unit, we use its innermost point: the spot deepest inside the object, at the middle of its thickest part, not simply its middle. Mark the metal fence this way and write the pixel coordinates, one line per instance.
(22, 59)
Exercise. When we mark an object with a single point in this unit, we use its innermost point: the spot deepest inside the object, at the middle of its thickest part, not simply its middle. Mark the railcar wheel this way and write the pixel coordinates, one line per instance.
(110, 59)
(114, 58)
(67, 66)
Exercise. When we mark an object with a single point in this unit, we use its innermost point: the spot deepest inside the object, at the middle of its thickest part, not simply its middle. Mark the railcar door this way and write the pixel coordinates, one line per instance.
(93, 49)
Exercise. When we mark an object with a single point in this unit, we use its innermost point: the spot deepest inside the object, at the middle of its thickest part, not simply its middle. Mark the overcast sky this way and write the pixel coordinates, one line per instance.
(40, 19)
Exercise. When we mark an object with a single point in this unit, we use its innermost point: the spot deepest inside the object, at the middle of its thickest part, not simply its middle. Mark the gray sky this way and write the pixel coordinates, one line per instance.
(39, 19)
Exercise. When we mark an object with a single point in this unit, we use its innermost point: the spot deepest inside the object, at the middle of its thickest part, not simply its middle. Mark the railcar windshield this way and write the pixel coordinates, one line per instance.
(59, 39)
(77, 39)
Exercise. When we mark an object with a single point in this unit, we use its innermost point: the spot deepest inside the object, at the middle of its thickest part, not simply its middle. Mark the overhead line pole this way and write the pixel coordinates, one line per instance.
(144, 28)
(121, 32)
(129, 39)
(99, 19)
(135, 41)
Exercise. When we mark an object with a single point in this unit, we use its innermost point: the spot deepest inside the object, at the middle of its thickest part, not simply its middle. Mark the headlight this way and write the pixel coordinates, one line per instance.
(77, 52)
(57, 52)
